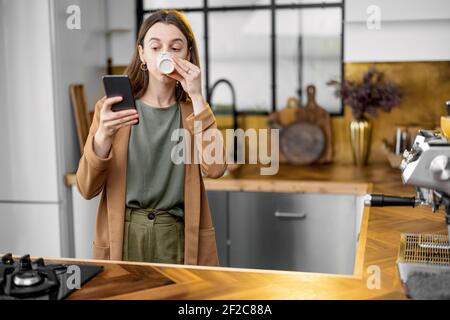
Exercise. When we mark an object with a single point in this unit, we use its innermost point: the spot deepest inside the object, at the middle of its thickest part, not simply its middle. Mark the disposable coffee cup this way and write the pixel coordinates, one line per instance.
(164, 63)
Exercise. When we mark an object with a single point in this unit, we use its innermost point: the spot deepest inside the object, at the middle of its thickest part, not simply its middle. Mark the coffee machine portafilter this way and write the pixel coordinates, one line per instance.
(426, 166)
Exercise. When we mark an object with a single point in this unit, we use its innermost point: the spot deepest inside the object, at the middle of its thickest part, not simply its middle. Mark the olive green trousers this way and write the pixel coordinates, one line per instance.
(153, 235)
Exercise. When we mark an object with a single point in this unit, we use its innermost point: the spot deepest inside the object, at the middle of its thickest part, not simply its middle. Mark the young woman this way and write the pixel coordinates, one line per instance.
(152, 209)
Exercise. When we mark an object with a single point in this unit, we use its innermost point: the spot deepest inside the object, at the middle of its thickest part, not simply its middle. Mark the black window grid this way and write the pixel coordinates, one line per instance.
(273, 7)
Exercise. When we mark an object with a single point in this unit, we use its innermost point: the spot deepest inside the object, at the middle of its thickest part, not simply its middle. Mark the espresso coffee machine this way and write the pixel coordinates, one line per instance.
(427, 167)
(424, 259)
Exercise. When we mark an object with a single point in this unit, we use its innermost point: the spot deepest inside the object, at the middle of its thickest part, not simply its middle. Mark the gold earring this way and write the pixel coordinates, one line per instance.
(143, 67)
(178, 83)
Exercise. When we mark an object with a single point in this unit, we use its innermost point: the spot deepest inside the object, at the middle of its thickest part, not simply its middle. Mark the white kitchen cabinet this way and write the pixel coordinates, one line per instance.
(408, 30)
(84, 216)
(30, 229)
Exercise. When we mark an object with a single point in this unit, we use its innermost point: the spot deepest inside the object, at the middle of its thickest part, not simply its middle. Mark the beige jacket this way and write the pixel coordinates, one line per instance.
(108, 176)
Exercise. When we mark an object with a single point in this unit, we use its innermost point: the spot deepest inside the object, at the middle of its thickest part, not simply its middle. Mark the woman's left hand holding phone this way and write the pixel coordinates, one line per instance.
(109, 123)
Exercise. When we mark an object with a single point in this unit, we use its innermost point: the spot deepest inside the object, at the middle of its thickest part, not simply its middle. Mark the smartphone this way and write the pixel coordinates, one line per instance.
(119, 85)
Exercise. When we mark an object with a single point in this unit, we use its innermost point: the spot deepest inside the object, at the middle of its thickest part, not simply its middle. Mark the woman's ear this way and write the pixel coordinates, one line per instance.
(189, 54)
(141, 54)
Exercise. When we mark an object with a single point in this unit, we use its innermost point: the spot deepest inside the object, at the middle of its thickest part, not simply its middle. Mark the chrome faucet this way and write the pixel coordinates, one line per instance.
(233, 107)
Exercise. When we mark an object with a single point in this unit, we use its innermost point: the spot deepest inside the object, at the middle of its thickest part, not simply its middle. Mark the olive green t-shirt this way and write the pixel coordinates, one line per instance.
(153, 180)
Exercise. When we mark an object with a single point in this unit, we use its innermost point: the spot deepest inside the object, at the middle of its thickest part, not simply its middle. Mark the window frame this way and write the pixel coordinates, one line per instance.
(273, 7)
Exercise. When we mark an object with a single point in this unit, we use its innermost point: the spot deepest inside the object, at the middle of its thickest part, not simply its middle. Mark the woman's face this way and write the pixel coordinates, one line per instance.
(162, 37)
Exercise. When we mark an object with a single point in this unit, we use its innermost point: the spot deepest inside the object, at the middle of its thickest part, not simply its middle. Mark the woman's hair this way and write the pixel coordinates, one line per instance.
(140, 79)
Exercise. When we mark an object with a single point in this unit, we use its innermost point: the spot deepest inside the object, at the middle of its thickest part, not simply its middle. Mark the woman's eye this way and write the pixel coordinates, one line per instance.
(175, 49)
(154, 48)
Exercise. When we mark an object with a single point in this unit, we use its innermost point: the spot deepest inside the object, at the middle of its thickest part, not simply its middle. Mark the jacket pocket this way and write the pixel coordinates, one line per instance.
(100, 252)
(207, 249)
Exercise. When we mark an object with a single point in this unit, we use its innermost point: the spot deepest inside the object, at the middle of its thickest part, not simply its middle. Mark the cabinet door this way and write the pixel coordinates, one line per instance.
(287, 231)
(218, 205)
(323, 238)
(84, 217)
(30, 229)
(254, 239)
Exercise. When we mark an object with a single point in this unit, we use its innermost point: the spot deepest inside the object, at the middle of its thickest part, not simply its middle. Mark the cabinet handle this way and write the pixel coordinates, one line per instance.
(298, 215)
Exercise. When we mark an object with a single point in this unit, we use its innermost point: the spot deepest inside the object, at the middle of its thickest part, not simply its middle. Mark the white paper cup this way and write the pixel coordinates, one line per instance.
(164, 63)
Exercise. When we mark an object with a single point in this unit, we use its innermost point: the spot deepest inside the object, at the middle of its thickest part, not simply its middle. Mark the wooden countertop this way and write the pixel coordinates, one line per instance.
(378, 246)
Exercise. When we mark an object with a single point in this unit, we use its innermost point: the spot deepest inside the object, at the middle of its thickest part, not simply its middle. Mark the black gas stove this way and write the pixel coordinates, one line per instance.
(38, 280)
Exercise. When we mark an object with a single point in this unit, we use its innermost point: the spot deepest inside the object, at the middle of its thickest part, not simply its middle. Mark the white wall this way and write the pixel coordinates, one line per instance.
(3, 91)
(411, 30)
(121, 22)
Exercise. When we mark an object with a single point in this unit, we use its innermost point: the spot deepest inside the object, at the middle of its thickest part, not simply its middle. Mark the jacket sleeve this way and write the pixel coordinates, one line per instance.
(207, 122)
(92, 170)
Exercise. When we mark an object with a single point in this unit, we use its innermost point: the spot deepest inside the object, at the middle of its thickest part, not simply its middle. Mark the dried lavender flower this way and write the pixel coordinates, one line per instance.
(370, 95)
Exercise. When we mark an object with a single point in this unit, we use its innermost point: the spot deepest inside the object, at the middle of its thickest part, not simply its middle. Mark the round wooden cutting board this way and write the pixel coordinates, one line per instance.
(302, 143)
(305, 132)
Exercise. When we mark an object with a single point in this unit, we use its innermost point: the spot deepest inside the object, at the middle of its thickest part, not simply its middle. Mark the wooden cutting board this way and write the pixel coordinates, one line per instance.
(285, 116)
(315, 114)
(304, 144)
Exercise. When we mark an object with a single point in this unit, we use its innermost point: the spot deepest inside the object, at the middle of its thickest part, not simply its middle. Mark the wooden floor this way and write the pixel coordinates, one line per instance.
(380, 235)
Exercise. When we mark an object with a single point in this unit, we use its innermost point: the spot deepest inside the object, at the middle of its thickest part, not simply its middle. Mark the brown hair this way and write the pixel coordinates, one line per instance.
(140, 79)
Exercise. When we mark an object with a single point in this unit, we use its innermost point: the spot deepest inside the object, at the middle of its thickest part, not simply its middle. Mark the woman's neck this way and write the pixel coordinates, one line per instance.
(159, 94)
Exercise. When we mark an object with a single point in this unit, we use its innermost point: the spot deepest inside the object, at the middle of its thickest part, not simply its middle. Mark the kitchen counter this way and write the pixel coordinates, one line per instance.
(378, 246)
